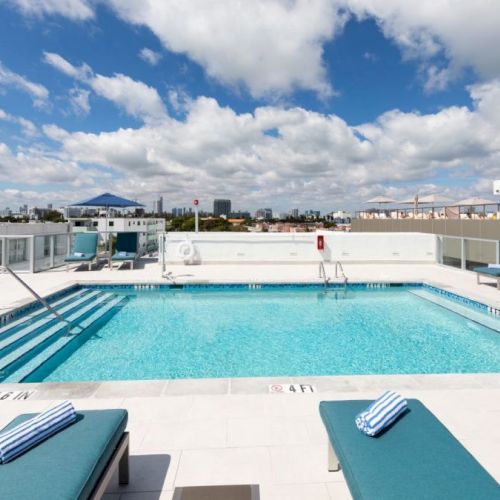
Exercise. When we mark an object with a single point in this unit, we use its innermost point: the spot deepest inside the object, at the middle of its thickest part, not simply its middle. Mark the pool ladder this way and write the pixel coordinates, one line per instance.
(338, 268)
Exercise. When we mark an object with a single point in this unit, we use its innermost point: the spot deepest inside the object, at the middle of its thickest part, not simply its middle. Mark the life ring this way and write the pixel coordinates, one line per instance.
(186, 250)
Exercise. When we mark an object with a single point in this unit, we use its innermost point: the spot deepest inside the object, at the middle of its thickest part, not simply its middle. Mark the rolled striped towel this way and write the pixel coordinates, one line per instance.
(25, 436)
(381, 413)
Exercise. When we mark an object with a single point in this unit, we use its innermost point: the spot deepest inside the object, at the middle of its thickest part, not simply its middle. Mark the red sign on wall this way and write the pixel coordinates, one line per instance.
(320, 242)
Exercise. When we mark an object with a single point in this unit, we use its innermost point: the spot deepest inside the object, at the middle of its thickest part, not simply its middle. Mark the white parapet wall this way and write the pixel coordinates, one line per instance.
(289, 248)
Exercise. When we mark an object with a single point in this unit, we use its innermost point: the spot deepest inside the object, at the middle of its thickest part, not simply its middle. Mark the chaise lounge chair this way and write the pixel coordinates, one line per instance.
(84, 249)
(490, 272)
(126, 248)
(416, 458)
(76, 463)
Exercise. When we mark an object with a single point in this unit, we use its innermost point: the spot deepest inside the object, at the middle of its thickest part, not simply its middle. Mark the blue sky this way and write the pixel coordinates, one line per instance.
(277, 103)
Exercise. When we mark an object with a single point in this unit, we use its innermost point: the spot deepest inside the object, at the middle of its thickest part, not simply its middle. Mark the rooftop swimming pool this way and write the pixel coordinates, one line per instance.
(205, 332)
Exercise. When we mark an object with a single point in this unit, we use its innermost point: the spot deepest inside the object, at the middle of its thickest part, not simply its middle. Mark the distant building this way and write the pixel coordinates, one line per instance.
(177, 212)
(264, 214)
(36, 213)
(6, 212)
(339, 217)
(222, 207)
(158, 206)
(312, 214)
(70, 212)
(295, 213)
(49, 206)
(240, 214)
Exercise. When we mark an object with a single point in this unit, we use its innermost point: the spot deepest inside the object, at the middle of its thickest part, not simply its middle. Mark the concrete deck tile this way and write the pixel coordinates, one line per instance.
(485, 451)
(98, 404)
(66, 390)
(184, 434)
(148, 495)
(301, 464)
(339, 491)
(130, 389)
(328, 384)
(224, 466)
(256, 385)
(316, 430)
(266, 431)
(298, 491)
(149, 473)
(384, 382)
(158, 408)
(196, 386)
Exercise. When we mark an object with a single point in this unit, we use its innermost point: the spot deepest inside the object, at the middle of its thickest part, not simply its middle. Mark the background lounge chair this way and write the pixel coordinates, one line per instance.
(126, 248)
(77, 462)
(86, 244)
(491, 272)
(417, 457)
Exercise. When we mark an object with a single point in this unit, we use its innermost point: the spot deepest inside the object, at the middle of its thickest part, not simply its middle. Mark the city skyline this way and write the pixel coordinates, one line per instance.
(361, 98)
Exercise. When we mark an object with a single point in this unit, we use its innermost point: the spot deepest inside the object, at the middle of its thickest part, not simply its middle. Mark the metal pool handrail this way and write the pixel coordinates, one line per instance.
(40, 299)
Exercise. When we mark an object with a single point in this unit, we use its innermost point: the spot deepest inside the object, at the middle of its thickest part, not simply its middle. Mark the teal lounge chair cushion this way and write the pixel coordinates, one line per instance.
(85, 243)
(80, 258)
(68, 464)
(128, 256)
(493, 271)
(126, 242)
(416, 458)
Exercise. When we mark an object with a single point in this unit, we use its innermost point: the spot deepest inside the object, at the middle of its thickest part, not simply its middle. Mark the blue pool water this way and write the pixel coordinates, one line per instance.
(270, 332)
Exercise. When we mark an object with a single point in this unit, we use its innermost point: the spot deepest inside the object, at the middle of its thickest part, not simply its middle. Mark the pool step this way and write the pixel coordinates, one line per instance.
(45, 335)
(28, 318)
(465, 311)
(35, 362)
(20, 334)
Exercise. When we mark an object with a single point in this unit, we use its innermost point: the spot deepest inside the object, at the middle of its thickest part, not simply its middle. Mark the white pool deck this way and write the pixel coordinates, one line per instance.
(232, 431)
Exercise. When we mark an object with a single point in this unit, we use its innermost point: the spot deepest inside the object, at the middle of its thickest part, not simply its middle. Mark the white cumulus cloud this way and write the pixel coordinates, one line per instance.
(466, 32)
(279, 156)
(268, 46)
(36, 91)
(134, 97)
(73, 9)
(28, 127)
(150, 56)
(79, 101)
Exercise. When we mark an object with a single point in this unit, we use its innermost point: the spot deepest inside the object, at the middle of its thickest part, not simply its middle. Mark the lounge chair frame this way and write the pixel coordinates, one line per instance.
(491, 276)
(333, 461)
(120, 460)
(90, 262)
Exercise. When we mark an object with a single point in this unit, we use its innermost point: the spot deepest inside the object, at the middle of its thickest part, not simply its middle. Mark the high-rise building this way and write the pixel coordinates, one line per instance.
(49, 206)
(222, 207)
(158, 206)
(312, 214)
(295, 213)
(264, 213)
(177, 212)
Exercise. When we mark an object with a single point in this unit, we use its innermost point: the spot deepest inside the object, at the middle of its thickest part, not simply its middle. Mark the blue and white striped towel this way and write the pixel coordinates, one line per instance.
(25, 436)
(381, 413)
